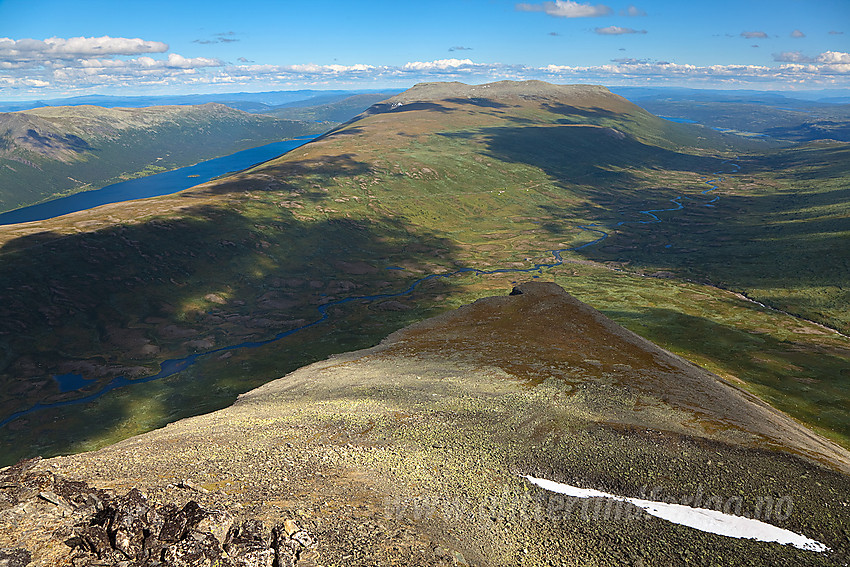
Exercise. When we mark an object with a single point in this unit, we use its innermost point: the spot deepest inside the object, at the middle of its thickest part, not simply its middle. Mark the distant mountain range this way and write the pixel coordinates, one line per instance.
(249, 102)
(776, 116)
(58, 150)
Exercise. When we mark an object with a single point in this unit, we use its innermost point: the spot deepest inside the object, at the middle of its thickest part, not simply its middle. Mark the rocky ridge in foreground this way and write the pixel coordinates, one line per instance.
(411, 453)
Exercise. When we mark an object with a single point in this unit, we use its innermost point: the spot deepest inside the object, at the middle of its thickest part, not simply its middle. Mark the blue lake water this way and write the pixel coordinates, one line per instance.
(153, 185)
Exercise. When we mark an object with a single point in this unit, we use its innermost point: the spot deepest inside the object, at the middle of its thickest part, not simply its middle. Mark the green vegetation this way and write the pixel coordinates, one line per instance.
(431, 185)
(334, 112)
(52, 152)
(777, 233)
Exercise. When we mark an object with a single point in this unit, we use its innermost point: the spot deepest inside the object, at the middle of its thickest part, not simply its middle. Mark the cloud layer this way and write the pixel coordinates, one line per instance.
(36, 68)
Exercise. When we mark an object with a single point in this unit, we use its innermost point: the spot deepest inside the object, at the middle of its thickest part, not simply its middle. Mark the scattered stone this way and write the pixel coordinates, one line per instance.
(216, 522)
(192, 486)
(50, 497)
(97, 541)
(197, 549)
(100, 529)
(249, 545)
(131, 522)
(290, 527)
(14, 557)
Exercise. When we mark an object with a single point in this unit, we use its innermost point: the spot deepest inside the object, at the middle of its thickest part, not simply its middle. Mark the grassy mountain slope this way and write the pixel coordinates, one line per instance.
(439, 178)
(54, 151)
(413, 453)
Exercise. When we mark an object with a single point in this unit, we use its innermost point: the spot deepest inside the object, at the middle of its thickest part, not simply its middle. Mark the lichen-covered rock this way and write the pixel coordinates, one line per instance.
(249, 545)
(14, 557)
(196, 550)
(216, 522)
(86, 527)
(132, 521)
(97, 540)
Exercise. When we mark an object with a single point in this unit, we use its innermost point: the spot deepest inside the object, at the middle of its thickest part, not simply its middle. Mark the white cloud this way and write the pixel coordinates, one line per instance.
(797, 34)
(754, 34)
(313, 68)
(80, 62)
(566, 9)
(180, 62)
(830, 68)
(439, 64)
(75, 47)
(616, 30)
(632, 11)
(298, 69)
(834, 57)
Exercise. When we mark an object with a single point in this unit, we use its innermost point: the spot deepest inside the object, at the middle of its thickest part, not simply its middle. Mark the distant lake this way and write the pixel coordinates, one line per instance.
(153, 185)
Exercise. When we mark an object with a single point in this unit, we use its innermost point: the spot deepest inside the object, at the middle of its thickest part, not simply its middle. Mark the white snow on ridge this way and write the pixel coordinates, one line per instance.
(702, 519)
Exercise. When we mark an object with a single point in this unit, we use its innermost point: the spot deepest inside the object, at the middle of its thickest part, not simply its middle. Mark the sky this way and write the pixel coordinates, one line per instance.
(57, 48)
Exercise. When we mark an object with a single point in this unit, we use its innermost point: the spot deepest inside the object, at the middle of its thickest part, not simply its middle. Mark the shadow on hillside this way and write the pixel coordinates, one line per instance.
(805, 162)
(120, 301)
(568, 110)
(58, 142)
(739, 352)
(480, 102)
(585, 154)
(600, 164)
(273, 176)
(737, 242)
(787, 246)
(820, 130)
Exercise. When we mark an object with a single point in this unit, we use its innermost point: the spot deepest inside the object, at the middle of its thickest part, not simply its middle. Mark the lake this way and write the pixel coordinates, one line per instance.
(153, 185)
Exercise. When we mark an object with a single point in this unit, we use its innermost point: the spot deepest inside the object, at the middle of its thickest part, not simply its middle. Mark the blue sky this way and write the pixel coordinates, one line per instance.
(51, 48)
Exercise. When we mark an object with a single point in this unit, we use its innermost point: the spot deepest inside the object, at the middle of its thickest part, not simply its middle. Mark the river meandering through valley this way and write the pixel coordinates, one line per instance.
(76, 382)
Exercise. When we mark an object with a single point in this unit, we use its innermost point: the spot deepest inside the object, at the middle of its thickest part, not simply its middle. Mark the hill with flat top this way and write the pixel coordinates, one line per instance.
(55, 151)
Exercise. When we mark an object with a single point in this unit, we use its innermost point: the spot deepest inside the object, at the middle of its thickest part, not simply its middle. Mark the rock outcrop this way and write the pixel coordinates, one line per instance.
(98, 527)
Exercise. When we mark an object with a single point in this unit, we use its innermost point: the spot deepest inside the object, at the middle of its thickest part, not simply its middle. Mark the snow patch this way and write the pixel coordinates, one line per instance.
(702, 519)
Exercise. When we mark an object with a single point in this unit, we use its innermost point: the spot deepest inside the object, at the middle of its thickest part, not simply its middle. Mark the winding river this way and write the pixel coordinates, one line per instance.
(73, 382)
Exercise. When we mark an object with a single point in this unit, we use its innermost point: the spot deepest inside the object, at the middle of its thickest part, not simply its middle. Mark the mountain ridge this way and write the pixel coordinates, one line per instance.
(53, 151)
(399, 215)
(424, 438)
